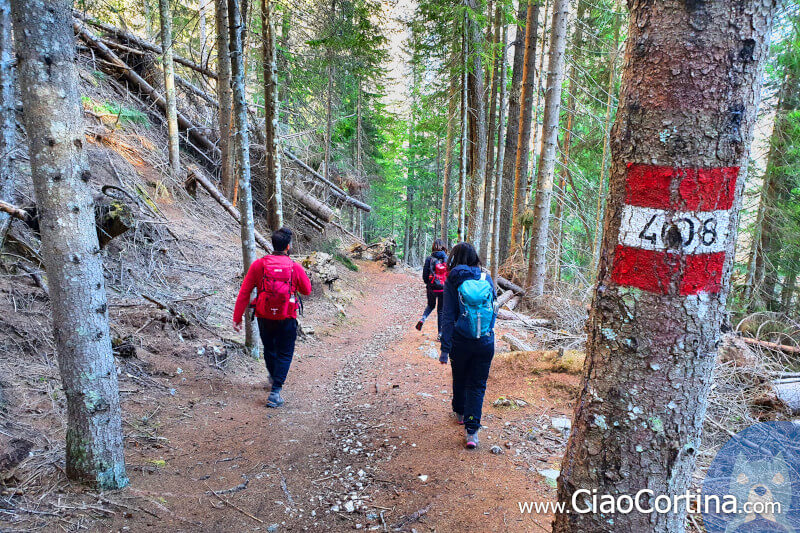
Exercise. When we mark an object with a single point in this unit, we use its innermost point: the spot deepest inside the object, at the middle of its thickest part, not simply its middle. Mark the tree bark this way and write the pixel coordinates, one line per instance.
(273, 161)
(49, 86)
(526, 112)
(653, 331)
(498, 177)
(225, 98)
(512, 132)
(477, 107)
(8, 122)
(242, 157)
(462, 176)
(173, 146)
(537, 261)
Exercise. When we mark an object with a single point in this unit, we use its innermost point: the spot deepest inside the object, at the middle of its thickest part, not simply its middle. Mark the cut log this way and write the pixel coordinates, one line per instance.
(145, 45)
(197, 175)
(772, 345)
(319, 209)
(514, 302)
(194, 132)
(516, 344)
(337, 191)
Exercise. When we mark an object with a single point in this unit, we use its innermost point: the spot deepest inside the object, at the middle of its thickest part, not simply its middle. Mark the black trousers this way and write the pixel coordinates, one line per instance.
(278, 337)
(434, 301)
(470, 361)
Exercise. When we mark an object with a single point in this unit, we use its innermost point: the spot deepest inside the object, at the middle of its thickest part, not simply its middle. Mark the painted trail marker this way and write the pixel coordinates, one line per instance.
(675, 226)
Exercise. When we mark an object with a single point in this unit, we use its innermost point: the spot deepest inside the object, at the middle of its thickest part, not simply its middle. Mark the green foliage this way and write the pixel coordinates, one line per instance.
(125, 115)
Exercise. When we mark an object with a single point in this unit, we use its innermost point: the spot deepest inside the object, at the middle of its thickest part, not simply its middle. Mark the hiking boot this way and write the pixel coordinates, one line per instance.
(459, 418)
(419, 325)
(275, 399)
(471, 440)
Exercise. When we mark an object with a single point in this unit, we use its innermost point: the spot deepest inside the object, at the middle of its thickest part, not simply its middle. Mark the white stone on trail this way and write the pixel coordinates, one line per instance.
(497, 450)
(561, 423)
(349, 506)
(550, 475)
(423, 478)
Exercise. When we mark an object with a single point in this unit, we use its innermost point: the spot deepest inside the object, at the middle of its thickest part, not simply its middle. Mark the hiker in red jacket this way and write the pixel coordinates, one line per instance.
(278, 279)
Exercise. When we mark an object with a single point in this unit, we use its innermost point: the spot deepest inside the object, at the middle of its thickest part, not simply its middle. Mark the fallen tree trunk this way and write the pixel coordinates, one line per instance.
(509, 286)
(517, 345)
(146, 45)
(195, 176)
(772, 345)
(111, 217)
(505, 314)
(317, 208)
(337, 191)
(193, 131)
(505, 297)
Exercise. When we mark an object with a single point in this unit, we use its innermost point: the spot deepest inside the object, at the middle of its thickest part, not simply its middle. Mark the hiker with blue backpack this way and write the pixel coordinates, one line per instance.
(278, 281)
(434, 274)
(467, 322)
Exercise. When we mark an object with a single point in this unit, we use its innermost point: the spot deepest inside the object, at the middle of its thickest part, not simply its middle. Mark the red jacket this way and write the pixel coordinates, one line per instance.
(253, 281)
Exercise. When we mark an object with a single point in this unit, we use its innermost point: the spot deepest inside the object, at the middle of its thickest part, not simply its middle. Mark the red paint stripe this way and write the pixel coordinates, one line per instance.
(695, 189)
(656, 271)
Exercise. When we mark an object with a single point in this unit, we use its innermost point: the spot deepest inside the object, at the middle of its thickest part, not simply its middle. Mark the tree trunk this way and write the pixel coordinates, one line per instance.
(601, 194)
(498, 178)
(512, 132)
(273, 154)
(537, 261)
(225, 98)
(173, 146)
(462, 178)
(524, 135)
(790, 282)
(242, 158)
(477, 107)
(452, 106)
(8, 123)
(566, 144)
(488, 204)
(49, 84)
(202, 22)
(659, 302)
(329, 99)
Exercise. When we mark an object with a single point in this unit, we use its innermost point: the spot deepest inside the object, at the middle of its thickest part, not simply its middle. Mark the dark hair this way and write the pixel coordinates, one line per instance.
(463, 253)
(439, 246)
(281, 239)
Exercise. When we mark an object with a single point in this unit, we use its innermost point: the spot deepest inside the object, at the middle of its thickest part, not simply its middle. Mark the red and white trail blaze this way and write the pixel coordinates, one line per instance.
(675, 226)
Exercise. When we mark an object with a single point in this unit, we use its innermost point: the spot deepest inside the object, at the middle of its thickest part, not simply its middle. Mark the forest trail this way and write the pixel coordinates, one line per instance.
(365, 439)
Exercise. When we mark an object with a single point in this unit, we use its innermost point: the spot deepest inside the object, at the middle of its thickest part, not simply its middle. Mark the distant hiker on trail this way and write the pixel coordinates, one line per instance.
(434, 274)
(468, 335)
(278, 279)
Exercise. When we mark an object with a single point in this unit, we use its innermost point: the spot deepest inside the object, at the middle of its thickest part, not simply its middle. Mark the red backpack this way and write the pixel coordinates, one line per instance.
(276, 298)
(438, 275)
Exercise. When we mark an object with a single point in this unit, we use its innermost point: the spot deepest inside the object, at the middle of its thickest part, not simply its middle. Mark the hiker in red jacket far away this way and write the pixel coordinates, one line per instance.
(278, 279)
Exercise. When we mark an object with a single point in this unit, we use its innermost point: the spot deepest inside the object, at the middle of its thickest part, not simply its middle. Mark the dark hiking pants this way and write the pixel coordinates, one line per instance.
(278, 337)
(434, 301)
(470, 360)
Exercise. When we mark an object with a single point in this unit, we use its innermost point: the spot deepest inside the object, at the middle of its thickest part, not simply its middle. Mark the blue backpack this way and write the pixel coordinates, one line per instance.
(477, 308)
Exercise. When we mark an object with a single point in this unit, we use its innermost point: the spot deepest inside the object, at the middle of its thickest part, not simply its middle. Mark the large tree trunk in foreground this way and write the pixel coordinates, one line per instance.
(273, 156)
(169, 89)
(242, 157)
(659, 302)
(225, 98)
(54, 123)
(8, 124)
(477, 106)
(526, 112)
(537, 261)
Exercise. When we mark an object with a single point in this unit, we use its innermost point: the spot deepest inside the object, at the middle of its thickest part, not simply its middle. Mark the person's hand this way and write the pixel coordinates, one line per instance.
(443, 358)
(237, 326)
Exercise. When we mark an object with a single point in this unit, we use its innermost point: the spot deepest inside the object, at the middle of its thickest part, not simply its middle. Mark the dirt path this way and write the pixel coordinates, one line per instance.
(364, 441)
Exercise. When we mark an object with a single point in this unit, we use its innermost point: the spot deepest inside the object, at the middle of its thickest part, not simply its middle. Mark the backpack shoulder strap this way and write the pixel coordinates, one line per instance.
(483, 276)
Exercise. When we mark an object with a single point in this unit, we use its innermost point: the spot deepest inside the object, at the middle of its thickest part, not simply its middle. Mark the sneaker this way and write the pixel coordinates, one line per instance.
(419, 325)
(472, 440)
(459, 418)
(275, 399)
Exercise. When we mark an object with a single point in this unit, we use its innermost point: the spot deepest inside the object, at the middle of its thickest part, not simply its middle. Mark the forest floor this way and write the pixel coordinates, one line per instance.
(365, 439)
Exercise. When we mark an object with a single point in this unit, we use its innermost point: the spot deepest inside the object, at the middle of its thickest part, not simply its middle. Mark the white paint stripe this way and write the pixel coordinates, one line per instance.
(701, 232)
